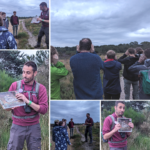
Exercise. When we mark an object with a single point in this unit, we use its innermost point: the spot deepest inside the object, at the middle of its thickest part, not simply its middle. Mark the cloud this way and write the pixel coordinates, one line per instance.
(23, 8)
(74, 109)
(104, 21)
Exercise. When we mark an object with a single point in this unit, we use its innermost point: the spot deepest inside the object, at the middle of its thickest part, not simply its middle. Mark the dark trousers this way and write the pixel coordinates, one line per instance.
(88, 129)
(111, 96)
(43, 31)
(18, 134)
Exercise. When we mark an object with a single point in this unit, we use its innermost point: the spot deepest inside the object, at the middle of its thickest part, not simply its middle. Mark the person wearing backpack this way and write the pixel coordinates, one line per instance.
(142, 68)
(89, 123)
(25, 125)
(44, 18)
(116, 140)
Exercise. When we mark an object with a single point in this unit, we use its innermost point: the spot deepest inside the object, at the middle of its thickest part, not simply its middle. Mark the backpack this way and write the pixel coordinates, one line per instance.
(36, 92)
(112, 126)
(145, 81)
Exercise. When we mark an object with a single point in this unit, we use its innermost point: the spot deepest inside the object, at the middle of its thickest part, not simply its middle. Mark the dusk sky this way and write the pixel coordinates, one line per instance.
(105, 22)
(74, 109)
(24, 8)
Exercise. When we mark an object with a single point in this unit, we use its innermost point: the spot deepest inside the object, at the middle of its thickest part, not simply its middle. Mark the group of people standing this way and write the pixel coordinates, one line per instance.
(7, 39)
(60, 134)
(86, 66)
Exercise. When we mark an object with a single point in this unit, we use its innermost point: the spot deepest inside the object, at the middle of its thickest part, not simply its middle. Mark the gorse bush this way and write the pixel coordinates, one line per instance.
(137, 117)
(5, 81)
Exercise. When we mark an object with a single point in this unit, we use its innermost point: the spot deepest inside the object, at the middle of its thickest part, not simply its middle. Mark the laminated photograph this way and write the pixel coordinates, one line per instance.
(8, 100)
(124, 124)
(34, 20)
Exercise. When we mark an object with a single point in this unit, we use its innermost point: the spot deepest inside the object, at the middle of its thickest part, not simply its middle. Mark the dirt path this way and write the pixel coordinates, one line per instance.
(85, 145)
(122, 88)
(32, 39)
(10, 29)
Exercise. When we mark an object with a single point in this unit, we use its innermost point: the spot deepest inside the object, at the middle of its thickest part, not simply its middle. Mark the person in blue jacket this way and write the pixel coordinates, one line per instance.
(7, 40)
(86, 66)
(61, 137)
(111, 78)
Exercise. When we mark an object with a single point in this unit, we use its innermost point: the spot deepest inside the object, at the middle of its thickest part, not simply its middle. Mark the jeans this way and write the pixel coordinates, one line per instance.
(71, 132)
(43, 31)
(88, 129)
(121, 148)
(127, 85)
(15, 30)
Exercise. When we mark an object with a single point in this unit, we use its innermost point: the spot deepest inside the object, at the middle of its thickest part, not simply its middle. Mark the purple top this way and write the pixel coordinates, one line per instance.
(116, 137)
(45, 16)
(42, 101)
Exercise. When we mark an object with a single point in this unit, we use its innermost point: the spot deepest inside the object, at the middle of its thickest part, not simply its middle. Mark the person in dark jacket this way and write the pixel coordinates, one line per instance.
(5, 20)
(61, 138)
(56, 123)
(14, 20)
(111, 78)
(142, 64)
(44, 19)
(71, 125)
(7, 40)
(89, 124)
(129, 77)
(86, 66)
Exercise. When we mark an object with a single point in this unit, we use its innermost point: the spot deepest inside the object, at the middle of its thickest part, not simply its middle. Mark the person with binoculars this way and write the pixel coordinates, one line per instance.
(116, 140)
(25, 125)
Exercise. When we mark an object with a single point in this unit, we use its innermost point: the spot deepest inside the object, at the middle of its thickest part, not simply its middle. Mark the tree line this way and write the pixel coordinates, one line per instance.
(102, 49)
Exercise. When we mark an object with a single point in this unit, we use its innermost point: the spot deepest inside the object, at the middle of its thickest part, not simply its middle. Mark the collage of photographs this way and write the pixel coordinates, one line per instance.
(74, 75)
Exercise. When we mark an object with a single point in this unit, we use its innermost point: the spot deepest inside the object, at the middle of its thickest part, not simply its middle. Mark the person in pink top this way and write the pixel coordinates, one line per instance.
(25, 124)
(116, 140)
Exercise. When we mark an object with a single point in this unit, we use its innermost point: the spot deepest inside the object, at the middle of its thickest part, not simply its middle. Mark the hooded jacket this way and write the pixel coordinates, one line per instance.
(135, 69)
(61, 138)
(111, 78)
(7, 40)
(128, 61)
(6, 23)
(57, 72)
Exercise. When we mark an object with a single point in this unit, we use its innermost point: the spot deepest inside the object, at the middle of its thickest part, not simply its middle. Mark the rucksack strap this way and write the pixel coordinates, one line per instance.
(112, 126)
(113, 122)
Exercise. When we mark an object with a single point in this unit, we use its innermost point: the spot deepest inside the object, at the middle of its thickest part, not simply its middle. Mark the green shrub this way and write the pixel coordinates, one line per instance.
(5, 81)
(137, 117)
(22, 35)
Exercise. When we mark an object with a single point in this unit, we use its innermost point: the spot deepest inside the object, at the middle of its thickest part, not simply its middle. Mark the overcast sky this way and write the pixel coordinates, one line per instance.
(74, 109)
(29, 52)
(103, 21)
(24, 8)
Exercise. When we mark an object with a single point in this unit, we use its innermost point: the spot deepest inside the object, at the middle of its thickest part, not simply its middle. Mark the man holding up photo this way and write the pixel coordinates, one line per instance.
(116, 140)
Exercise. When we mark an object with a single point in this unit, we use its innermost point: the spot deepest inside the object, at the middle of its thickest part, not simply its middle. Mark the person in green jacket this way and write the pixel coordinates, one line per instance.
(58, 71)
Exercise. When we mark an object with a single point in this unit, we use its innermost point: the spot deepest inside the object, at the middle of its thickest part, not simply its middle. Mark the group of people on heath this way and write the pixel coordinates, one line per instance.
(60, 134)
(86, 66)
(7, 39)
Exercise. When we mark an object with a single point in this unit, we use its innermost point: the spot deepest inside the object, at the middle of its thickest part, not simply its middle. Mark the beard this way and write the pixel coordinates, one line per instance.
(28, 80)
